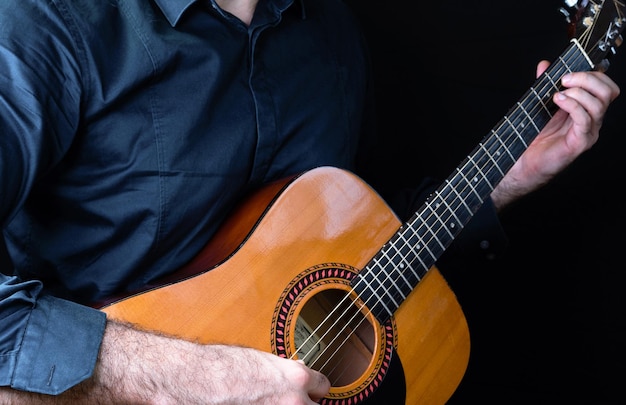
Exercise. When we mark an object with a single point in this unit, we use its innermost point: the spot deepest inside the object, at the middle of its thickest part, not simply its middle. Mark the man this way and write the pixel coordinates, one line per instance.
(129, 130)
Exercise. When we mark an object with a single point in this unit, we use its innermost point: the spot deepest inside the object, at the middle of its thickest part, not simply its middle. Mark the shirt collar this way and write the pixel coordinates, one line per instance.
(174, 9)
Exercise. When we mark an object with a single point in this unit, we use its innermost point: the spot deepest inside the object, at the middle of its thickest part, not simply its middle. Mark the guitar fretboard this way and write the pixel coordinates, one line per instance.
(398, 267)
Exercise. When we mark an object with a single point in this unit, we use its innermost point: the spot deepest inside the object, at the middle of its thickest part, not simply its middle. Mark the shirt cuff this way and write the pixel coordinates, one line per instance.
(60, 346)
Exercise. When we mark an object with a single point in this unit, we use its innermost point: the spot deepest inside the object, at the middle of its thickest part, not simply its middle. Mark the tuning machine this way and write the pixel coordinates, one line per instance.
(572, 9)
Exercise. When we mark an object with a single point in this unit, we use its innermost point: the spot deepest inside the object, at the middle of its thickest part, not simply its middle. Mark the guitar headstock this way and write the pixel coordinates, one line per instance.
(597, 26)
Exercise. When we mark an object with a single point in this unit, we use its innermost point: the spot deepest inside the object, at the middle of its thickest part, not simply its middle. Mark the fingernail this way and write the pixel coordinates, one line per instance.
(561, 96)
(566, 78)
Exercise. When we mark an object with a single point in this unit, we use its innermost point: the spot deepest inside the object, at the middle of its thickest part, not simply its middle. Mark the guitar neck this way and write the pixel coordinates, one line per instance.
(399, 266)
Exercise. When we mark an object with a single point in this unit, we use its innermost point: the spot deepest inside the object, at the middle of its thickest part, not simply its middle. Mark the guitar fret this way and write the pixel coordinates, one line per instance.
(471, 186)
(495, 164)
(483, 175)
(424, 228)
(441, 221)
(506, 144)
(497, 137)
(412, 246)
(460, 198)
(567, 68)
(388, 279)
(521, 107)
(388, 292)
(506, 118)
(429, 226)
(373, 300)
(385, 279)
(540, 99)
(400, 264)
(554, 85)
(408, 255)
(394, 285)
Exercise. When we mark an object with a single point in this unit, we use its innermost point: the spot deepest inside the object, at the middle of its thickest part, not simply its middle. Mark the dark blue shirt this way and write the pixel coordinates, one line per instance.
(129, 128)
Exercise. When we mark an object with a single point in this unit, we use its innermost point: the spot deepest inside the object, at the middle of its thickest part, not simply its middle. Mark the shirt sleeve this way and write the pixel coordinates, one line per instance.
(47, 344)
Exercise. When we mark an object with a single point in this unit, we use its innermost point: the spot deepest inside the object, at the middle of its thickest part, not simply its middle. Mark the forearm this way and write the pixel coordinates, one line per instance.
(137, 367)
(131, 369)
(503, 196)
(112, 381)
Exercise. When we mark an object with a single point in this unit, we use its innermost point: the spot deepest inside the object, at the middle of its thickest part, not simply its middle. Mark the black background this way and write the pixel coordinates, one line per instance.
(547, 320)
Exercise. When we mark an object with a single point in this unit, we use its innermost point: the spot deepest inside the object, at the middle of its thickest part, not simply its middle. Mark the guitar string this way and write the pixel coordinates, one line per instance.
(547, 85)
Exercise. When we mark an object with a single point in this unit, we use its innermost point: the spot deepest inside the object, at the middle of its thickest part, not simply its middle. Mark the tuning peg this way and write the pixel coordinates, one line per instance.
(571, 9)
(566, 14)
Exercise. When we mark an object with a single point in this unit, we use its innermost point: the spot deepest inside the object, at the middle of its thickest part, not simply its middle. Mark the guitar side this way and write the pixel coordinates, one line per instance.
(230, 292)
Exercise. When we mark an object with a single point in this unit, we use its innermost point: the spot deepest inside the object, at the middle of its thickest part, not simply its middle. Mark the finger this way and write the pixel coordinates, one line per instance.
(587, 97)
(596, 83)
(318, 386)
(582, 105)
(541, 67)
(579, 105)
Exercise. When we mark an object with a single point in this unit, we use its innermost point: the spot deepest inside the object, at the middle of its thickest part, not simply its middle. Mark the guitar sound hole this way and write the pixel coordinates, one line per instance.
(334, 336)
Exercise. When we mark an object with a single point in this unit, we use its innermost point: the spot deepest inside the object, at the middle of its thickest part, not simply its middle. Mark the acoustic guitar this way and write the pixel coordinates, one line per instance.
(317, 267)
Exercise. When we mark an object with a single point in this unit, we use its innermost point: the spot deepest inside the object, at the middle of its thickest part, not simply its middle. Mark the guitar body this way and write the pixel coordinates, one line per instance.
(281, 266)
